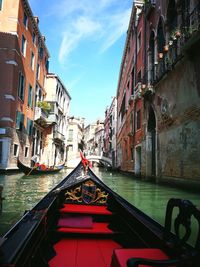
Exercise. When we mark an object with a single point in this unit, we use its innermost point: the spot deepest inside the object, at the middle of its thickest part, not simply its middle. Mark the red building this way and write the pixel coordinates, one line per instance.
(129, 101)
(158, 92)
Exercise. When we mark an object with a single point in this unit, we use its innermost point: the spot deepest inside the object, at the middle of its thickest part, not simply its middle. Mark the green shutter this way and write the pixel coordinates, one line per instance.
(30, 102)
(29, 127)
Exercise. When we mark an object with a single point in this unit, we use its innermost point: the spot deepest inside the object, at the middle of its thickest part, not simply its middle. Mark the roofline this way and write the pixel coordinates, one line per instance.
(36, 27)
(53, 75)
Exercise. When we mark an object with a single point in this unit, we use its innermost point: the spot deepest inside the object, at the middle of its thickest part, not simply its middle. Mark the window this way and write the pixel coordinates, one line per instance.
(16, 150)
(139, 77)
(21, 86)
(123, 107)
(19, 121)
(138, 42)
(133, 81)
(70, 148)
(34, 38)
(41, 52)
(23, 49)
(47, 65)
(25, 21)
(30, 96)
(26, 152)
(70, 138)
(29, 127)
(32, 61)
(138, 120)
(1, 4)
(38, 72)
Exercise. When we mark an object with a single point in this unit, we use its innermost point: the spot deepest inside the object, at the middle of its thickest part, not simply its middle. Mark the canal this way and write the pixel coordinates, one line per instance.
(23, 192)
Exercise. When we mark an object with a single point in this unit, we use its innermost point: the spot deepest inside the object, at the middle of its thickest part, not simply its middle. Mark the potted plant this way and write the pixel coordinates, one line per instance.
(45, 106)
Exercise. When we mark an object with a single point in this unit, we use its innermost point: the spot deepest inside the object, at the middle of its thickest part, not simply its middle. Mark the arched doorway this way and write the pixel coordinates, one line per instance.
(151, 144)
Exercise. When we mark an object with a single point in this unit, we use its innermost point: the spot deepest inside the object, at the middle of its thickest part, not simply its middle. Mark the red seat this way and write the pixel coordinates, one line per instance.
(120, 256)
(98, 228)
(86, 209)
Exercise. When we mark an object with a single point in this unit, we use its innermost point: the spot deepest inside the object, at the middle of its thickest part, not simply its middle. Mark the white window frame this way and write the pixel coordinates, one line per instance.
(17, 151)
(24, 44)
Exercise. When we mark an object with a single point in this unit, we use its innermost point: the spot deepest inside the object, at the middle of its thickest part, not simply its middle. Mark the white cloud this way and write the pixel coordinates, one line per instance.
(78, 30)
(104, 21)
(118, 26)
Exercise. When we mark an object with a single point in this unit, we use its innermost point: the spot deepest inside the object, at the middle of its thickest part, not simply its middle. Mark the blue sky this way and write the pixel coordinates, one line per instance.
(85, 39)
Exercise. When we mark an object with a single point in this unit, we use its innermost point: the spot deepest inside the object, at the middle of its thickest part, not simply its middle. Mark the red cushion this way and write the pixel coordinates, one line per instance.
(120, 256)
(98, 228)
(75, 221)
(87, 209)
(83, 252)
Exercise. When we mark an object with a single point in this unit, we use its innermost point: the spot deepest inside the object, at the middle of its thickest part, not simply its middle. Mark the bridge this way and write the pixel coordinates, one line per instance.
(102, 159)
(72, 163)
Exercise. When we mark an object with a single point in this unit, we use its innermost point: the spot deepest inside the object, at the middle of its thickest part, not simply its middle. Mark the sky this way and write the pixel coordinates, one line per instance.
(85, 39)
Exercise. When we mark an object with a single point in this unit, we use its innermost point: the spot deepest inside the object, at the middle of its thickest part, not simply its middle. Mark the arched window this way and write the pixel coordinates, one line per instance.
(151, 61)
(160, 37)
(172, 16)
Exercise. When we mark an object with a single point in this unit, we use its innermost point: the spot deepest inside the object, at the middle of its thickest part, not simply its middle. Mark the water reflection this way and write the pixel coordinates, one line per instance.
(23, 192)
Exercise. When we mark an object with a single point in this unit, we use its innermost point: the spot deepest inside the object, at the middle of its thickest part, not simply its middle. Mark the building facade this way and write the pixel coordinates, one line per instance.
(110, 130)
(129, 100)
(23, 65)
(75, 140)
(172, 95)
(161, 59)
(58, 99)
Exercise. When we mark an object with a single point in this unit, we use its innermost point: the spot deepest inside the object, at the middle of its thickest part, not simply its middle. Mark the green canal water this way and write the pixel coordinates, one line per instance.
(22, 193)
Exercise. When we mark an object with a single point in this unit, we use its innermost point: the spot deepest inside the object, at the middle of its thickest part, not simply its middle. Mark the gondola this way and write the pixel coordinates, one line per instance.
(83, 223)
(35, 170)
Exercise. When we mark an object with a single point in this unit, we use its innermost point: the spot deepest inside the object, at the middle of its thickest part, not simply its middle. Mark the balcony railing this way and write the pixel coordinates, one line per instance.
(149, 6)
(40, 114)
(59, 136)
(180, 40)
(138, 91)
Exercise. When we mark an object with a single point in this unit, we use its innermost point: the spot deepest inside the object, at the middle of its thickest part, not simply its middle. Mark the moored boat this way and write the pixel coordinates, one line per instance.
(82, 222)
(37, 170)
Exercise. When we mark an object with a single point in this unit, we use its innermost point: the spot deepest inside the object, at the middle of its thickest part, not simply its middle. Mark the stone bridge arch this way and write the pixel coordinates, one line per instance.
(100, 159)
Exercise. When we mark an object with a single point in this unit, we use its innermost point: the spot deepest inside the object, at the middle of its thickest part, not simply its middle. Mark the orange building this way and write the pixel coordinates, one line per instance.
(23, 66)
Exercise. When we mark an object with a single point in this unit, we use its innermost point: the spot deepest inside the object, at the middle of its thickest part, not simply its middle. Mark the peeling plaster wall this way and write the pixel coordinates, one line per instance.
(177, 104)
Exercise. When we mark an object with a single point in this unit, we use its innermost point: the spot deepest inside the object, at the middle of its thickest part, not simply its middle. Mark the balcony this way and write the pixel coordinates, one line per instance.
(190, 29)
(181, 40)
(52, 118)
(138, 91)
(58, 137)
(40, 116)
(149, 6)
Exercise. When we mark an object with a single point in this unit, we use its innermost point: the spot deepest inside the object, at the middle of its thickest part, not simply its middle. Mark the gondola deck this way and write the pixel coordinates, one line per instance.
(83, 223)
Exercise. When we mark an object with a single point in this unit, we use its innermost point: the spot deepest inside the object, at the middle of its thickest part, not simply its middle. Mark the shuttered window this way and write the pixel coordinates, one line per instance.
(30, 96)
(29, 127)
(19, 121)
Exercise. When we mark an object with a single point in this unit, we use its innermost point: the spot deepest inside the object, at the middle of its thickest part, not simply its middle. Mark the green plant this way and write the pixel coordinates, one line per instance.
(44, 105)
